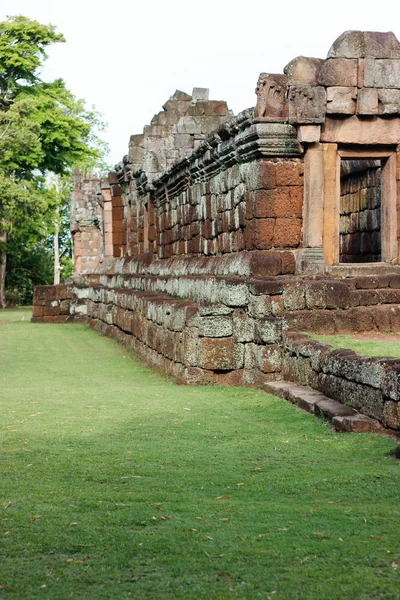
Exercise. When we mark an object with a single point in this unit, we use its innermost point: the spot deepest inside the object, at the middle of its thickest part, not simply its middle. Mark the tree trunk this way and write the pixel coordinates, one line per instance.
(56, 255)
(3, 263)
(57, 268)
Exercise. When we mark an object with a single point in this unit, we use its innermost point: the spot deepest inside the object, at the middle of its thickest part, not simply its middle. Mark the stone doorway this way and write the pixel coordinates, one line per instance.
(360, 211)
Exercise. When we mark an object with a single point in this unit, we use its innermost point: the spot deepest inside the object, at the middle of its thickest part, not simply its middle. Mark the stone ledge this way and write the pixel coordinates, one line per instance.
(344, 418)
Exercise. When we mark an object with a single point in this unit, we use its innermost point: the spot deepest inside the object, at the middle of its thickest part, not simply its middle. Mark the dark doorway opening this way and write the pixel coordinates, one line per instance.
(360, 211)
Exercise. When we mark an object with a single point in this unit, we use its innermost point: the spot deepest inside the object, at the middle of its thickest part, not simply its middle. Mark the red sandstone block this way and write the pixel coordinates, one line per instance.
(152, 233)
(117, 227)
(266, 175)
(45, 292)
(382, 318)
(249, 204)
(62, 292)
(116, 199)
(37, 311)
(248, 235)
(221, 354)
(289, 173)
(288, 262)
(117, 213)
(270, 287)
(207, 229)
(372, 282)
(117, 237)
(357, 319)
(394, 281)
(263, 203)
(337, 294)
(287, 232)
(237, 241)
(263, 233)
(265, 263)
(195, 228)
(318, 321)
(43, 319)
(281, 202)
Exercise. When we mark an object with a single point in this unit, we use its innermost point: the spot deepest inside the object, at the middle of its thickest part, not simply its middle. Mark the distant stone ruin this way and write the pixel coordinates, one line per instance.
(218, 237)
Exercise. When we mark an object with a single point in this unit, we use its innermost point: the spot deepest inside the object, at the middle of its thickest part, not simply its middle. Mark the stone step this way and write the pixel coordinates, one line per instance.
(344, 418)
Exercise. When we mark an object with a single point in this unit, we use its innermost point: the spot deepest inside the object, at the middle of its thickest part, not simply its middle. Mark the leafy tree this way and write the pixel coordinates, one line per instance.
(43, 128)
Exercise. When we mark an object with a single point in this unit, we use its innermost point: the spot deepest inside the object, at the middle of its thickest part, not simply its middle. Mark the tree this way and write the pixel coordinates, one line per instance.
(43, 128)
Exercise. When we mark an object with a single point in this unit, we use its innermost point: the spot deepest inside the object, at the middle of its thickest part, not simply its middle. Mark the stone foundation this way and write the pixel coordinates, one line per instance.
(225, 330)
(369, 385)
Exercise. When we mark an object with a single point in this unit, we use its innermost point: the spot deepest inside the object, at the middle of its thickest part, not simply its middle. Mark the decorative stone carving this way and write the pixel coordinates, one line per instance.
(341, 100)
(303, 70)
(271, 98)
(307, 104)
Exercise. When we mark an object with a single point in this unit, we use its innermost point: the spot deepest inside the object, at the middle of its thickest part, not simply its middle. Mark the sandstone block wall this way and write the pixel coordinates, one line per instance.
(54, 304)
(230, 329)
(245, 207)
(370, 385)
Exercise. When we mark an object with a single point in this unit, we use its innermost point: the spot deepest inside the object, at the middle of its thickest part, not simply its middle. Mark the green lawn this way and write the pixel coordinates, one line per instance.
(361, 346)
(117, 484)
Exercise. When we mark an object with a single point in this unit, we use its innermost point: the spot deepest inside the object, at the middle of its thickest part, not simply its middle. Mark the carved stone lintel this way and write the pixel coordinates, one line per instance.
(271, 104)
(307, 104)
(310, 261)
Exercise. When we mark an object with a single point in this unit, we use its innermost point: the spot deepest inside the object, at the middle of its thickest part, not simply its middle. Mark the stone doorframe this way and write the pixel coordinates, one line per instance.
(321, 207)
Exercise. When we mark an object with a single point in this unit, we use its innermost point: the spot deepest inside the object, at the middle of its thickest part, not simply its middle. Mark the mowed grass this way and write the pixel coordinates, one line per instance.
(364, 347)
(115, 484)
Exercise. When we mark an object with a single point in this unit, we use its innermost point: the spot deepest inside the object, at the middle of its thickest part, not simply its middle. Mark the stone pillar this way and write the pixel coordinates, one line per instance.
(107, 221)
(398, 200)
(331, 217)
(310, 260)
(389, 224)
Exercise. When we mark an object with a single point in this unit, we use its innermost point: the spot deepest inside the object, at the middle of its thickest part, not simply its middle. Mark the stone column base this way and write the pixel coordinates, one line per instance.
(310, 261)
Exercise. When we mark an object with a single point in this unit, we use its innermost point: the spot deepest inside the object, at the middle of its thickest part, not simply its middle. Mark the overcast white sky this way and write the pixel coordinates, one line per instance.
(127, 57)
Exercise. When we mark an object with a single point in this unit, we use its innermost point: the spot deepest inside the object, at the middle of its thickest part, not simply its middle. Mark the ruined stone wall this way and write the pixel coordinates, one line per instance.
(242, 189)
(215, 235)
(223, 329)
(243, 207)
(370, 385)
(360, 211)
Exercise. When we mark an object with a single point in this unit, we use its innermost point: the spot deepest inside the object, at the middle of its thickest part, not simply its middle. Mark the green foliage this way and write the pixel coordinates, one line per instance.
(43, 129)
(118, 484)
(23, 44)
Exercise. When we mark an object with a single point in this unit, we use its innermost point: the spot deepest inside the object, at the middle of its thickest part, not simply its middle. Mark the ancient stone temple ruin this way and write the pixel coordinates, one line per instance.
(219, 238)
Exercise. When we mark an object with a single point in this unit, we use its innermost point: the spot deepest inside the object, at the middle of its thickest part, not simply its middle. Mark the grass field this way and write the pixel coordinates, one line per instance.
(116, 484)
(364, 347)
